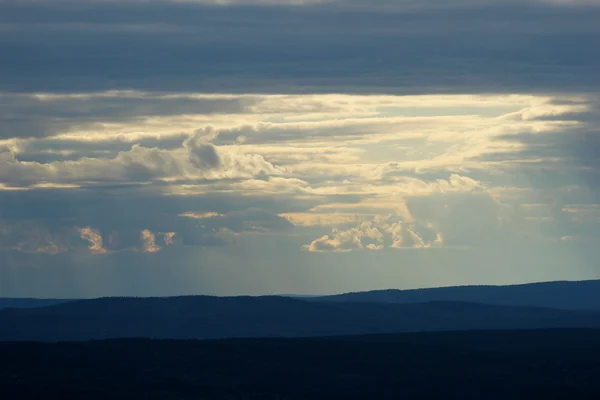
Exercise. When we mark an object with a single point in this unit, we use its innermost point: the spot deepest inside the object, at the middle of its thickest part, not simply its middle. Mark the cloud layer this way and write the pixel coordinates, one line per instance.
(313, 46)
(260, 140)
(382, 171)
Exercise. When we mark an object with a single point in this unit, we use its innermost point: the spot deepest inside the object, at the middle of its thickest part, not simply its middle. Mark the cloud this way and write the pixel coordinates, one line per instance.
(347, 240)
(320, 219)
(149, 241)
(195, 160)
(466, 46)
(114, 219)
(96, 243)
(565, 156)
(29, 236)
(377, 233)
(310, 162)
(250, 135)
(47, 114)
(168, 237)
(442, 165)
(242, 220)
(202, 215)
(456, 220)
(203, 155)
(414, 235)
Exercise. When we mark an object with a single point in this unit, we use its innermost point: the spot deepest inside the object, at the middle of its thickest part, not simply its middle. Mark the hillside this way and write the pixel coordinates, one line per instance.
(206, 317)
(7, 302)
(574, 295)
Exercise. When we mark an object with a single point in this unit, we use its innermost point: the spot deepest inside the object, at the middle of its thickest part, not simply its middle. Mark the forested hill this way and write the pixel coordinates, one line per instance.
(574, 295)
(540, 364)
(7, 302)
(568, 295)
(205, 317)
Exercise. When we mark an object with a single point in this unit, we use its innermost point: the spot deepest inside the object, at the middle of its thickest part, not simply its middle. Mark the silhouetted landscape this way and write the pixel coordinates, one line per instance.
(299, 199)
(209, 317)
(576, 295)
(29, 303)
(430, 343)
(544, 364)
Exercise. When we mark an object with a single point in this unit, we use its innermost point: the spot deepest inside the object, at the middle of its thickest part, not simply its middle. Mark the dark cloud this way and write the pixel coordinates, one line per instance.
(51, 221)
(198, 159)
(92, 206)
(203, 155)
(339, 46)
(51, 150)
(26, 116)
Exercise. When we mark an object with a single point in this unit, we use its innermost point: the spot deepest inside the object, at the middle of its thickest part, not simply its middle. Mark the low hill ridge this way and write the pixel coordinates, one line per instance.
(574, 295)
(206, 317)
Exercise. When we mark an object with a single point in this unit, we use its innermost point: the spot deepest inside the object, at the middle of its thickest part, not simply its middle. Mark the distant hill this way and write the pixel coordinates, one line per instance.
(205, 317)
(540, 364)
(568, 295)
(573, 295)
(28, 303)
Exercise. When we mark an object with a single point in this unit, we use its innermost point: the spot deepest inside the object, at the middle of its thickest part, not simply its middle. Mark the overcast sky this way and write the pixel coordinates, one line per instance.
(254, 147)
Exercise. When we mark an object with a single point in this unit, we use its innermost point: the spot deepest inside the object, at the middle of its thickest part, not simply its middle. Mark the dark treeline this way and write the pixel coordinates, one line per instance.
(544, 364)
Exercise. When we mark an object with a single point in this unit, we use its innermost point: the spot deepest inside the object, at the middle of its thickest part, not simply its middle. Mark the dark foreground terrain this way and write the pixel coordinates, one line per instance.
(544, 364)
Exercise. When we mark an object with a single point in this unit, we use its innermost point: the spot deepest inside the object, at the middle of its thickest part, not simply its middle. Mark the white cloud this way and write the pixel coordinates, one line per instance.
(96, 243)
(195, 160)
(149, 242)
(376, 233)
(363, 236)
(354, 158)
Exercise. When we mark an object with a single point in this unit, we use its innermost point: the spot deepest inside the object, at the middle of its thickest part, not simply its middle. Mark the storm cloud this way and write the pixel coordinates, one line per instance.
(273, 47)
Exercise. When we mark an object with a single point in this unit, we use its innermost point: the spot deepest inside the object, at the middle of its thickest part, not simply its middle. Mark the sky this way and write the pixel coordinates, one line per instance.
(156, 147)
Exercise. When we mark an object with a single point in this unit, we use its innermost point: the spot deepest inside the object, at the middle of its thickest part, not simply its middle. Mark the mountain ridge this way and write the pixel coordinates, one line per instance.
(574, 295)
(206, 317)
